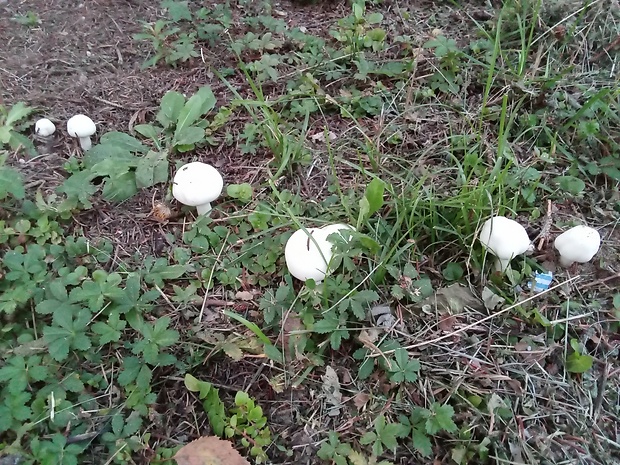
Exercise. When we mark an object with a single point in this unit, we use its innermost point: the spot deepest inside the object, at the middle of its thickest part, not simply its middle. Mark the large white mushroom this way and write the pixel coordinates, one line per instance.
(82, 127)
(44, 128)
(579, 244)
(197, 184)
(308, 253)
(504, 238)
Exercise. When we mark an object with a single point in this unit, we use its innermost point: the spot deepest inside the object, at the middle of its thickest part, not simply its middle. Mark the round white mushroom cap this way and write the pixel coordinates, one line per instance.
(579, 244)
(44, 127)
(504, 238)
(83, 127)
(304, 259)
(197, 184)
(307, 261)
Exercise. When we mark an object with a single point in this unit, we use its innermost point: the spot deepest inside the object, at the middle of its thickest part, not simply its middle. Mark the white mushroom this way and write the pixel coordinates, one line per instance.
(197, 184)
(304, 259)
(504, 238)
(579, 244)
(44, 128)
(83, 127)
(307, 261)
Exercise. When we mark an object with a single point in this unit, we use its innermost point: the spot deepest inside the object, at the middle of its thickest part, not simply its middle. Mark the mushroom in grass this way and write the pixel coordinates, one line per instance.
(82, 127)
(504, 238)
(308, 253)
(197, 184)
(579, 244)
(44, 128)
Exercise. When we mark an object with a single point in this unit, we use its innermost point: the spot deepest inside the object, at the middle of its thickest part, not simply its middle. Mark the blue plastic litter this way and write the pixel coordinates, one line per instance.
(541, 281)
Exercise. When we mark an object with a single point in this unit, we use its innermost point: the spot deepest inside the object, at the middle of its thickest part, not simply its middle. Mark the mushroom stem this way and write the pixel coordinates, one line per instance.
(85, 143)
(502, 264)
(566, 262)
(204, 208)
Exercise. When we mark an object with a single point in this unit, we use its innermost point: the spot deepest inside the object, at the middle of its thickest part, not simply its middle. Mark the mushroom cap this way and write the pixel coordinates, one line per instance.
(504, 238)
(303, 259)
(197, 183)
(330, 229)
(578, 244)
(81, 126)
(44, 127)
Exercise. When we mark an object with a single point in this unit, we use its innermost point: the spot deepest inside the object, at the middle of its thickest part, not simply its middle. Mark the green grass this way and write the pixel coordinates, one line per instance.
(431, 136)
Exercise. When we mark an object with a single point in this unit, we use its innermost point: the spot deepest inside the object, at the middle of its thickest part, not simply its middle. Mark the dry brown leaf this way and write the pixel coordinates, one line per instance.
(290, 341)
(244, 295)
(209, 450)
(360, 400)
(447, 323)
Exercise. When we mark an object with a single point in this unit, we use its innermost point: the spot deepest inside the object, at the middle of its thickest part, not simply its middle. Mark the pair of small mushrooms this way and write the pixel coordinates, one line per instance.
(80, 126)
(505, 238)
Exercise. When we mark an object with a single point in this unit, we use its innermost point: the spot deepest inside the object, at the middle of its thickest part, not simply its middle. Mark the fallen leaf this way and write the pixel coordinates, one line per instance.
(369, 336)
(291, 341)
(320, 136)
(209, 450)
(360, 400)
(453, 298)
(447, 323)
(491, 299)
(244, 295)
(331, 389)
(233, 351)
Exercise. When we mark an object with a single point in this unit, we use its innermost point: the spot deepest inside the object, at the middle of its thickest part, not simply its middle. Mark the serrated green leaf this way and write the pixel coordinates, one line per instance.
(440, 419)
(152, 169)
(17, 112)
(120, 188)
(79, 187)
(11, 182)
(421, 442)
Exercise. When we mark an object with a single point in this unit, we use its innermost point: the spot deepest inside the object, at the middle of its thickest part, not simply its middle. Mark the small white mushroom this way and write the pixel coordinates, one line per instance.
(83, 127)
(304, 259)
(579, 244)
(504, 238)
(44, 128)
(197, 184)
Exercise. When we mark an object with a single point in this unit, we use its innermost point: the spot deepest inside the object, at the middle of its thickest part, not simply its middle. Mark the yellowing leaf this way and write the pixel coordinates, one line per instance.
(209, 450)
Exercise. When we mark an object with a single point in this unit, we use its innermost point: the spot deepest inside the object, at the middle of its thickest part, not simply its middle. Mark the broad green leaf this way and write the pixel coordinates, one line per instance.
(152, 169)
(5, 134)
(106, 152)
(147, 130)
(189, 136)
(374, 195)
(170, 108)
(124, 141)
(197, 105)
(577, 363)
(570, 184)
(79, 187)
(115, 166)
(11, 182)
(120, 188)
